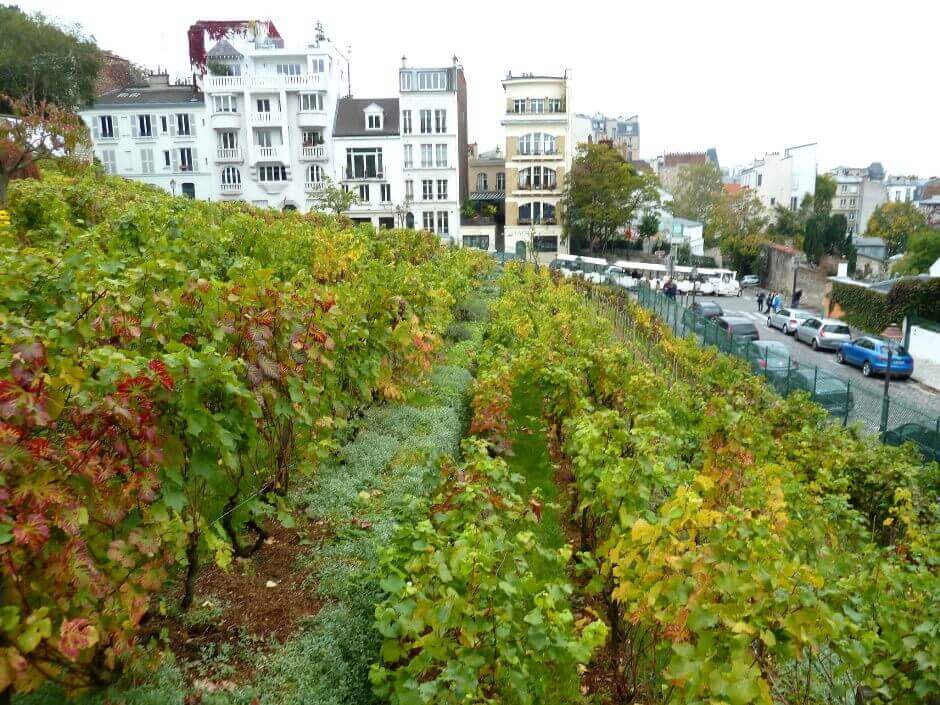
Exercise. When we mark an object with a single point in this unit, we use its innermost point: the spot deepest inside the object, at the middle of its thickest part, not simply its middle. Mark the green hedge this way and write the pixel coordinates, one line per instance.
(874, 311)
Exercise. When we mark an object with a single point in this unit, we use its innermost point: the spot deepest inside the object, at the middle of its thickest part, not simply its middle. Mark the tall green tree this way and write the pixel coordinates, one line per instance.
(923, 249)
(894, 223)
(649, 226)
(824, 193)
(335, 199)
(698, 190)
(603, 194)
(41, 62)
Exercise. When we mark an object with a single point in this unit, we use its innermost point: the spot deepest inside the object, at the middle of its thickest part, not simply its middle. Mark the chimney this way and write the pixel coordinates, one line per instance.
(404, 61)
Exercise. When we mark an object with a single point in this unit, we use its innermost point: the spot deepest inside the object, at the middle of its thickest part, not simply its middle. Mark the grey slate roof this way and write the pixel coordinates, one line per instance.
(144, 95)
(223, 50)
(351, 118)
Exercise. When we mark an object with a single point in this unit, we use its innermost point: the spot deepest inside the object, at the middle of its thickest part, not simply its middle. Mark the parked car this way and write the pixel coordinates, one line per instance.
(725, 287)
(749, 280)
(787, 319)
(696, 314)
(565, 267)
(738, 331)
(615, 275)
(771, 359)
(823, 333)
(926, 439)
(831, 393)
(871, 354)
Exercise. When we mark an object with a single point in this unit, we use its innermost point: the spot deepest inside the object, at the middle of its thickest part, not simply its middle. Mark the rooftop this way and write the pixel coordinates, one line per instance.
(351, 117)
(149, 95)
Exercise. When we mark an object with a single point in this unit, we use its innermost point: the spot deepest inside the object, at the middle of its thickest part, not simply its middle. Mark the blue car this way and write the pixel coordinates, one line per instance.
(871, 354)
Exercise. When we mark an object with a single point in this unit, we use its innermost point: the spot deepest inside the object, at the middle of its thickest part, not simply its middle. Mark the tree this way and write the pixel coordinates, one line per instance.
(43, 63)
(33, 132)
(824, 193)
(649, 226)
(335, 198)
(698, 190)
(603, 194)
(736, 223)
(894, 222)
(923, 249)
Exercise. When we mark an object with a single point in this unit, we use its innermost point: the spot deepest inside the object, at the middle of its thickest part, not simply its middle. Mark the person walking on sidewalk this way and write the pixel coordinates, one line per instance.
(760, 302)
(769, 301)
(777, 302)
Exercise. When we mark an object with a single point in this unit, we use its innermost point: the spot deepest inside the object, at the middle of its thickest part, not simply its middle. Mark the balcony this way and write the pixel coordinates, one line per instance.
(273, 83)
(363, 175)
(230, 188)
(228, 154)
(315, 152)
(312, 118)
(314, 186)
(269, 118)
(269, 154)
(226, 120)
(537, 154)
(529, 185)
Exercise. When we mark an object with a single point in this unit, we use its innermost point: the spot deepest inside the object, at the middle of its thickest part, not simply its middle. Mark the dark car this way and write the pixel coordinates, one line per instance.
(695, 315)
(771, 360)
(926, 439)
(830, 393)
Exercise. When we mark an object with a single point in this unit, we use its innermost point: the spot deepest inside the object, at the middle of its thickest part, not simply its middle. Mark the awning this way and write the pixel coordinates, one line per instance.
(488, 196)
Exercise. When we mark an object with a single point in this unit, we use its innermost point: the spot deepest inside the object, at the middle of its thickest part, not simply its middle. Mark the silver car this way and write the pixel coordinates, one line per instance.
(823, 333)
(787, 319)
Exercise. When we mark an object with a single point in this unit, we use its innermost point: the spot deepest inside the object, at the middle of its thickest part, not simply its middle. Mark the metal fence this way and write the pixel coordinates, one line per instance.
(846, 400)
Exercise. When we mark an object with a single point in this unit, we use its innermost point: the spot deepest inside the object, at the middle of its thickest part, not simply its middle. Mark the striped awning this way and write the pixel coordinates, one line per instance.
(488, 196)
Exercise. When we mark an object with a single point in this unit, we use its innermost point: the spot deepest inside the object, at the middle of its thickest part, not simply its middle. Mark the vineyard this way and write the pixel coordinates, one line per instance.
(451, 486)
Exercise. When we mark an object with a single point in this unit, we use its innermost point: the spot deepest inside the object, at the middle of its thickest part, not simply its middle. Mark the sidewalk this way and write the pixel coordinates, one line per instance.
(927, 374)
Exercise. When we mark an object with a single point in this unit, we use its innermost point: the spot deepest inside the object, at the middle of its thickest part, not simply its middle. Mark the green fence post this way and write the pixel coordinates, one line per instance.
(848, 396)
(815, 379)
(884, 416)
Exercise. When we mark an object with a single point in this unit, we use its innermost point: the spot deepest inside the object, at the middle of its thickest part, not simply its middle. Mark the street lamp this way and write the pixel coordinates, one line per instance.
(173, 186)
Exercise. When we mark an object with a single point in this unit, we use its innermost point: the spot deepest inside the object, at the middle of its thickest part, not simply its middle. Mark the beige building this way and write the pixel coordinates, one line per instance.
(486, 172)
(541, 140)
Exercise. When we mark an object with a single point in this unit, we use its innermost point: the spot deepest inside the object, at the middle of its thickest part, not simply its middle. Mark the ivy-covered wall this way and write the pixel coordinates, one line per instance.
(873, 311)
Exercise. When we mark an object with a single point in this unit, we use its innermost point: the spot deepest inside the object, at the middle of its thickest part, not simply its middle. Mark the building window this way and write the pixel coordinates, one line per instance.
(428, 217)
(231, 176)
(425, 116)
(408, 156)
(164, 124)
(311, 101)
(518, 105)
(537, 143)
(106, 126)
(793, 203)
(481, 182)
(537, 177)
(537, 105)
(272, 172)
(146, 161)
(405, 80)
(109, 161)
(312, 138)
(182, 124)
(409, 190)
(364, 163)
(166, 159)
(186, 159)
(144, 126)
(364, 193)
(386, 193)
(264, 105)
(554, 106)
(545, 243)
(318, 65)
(374, 121)
(315, 174)
(427, 189)
(406, 122)
(536, 213)
(477, 242)
(442, 189)
(441, 154)
(224, 103)
(288, 69)
(773, 201)
(851, 201)
(760, 179)
(432, 80)
(842, 202)
(852, 215)
(443, 223)
(501, 181)
(427, 154)
(440, 121)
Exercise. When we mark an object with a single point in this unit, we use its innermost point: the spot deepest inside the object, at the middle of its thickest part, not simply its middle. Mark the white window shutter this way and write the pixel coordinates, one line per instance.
(154, 125)
(172, 121)
(174, 160)
(115, 125)
(134, 122)
(95, 131)
(195, 159)
(192, 124)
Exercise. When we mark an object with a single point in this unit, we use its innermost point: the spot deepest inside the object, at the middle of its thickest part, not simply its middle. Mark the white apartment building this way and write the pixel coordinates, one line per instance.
(902, 189)
(782, 178)
(859, 191)
(542, 136)
(367, 154)
(155, 133)
(270, 109)
(433, 123)
(622, 132)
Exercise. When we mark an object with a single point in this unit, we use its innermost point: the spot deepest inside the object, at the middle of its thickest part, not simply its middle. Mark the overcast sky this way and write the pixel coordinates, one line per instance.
(857, 77)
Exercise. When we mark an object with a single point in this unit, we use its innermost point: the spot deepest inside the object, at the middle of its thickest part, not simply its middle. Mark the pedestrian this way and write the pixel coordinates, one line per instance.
(797, 295)
(769, 301)
(760, 302)
(777, 303)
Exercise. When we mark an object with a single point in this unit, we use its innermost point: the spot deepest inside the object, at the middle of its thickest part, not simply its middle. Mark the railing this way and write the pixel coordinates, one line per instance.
(226, 154)
(533, 152)
(528, 185)
(266, 118)
(353, 175)
(314, 185)
(230, 188)
(267, 152)
(846, 400)
(317, 151)
(312, 80)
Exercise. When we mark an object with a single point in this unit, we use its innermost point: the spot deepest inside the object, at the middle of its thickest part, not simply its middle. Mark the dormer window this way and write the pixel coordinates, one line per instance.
(373, 117)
